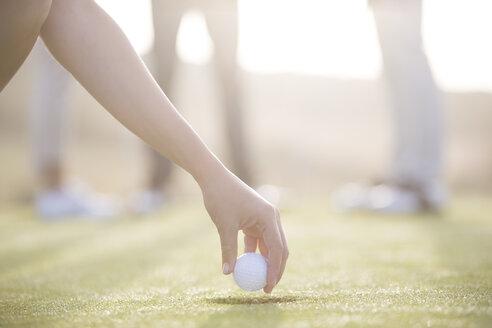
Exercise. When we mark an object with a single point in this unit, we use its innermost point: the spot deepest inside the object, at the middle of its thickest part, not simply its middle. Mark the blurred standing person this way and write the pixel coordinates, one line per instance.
(413, 182)
(222, 23)
(55, 198)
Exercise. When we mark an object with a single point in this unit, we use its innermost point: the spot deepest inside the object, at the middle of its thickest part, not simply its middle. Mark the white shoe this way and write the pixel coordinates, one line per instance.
(147, 201)
(387, 198)
(71, 202)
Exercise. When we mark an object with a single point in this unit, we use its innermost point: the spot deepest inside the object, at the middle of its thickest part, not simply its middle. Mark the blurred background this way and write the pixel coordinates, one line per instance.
(315, 106)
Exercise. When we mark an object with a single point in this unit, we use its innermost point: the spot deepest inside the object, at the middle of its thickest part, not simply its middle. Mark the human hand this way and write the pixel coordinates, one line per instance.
(234, 206)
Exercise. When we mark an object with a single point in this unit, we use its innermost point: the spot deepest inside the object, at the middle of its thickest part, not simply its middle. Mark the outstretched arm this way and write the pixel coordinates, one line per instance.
(87, 42)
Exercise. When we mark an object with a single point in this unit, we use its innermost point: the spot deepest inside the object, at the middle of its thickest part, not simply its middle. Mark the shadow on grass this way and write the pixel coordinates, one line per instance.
(238, 300)
(247, 311)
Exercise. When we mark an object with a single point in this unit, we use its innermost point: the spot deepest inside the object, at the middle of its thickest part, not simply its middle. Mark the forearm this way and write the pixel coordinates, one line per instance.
(93, 48)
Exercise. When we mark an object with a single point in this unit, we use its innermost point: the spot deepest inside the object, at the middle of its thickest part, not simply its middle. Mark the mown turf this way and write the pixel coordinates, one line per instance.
(164, 271)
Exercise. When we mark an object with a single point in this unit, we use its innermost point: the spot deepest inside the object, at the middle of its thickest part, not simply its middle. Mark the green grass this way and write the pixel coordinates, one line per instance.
(164, 271)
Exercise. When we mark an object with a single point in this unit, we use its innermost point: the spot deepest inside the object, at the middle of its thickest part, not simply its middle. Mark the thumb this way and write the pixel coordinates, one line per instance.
(228, 244)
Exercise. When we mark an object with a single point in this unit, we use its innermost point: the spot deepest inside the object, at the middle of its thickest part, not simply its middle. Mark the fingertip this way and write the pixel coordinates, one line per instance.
(225, 268)
(228, 267)
(268, 289)
(271, 283)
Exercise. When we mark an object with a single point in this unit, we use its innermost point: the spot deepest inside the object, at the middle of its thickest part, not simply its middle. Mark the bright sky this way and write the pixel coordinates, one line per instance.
(304, 36)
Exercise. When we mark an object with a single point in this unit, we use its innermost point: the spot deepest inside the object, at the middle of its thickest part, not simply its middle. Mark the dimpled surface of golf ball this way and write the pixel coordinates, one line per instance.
(250, 272)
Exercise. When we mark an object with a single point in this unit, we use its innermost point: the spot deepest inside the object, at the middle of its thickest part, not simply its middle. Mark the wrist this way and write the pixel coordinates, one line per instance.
(209, 172)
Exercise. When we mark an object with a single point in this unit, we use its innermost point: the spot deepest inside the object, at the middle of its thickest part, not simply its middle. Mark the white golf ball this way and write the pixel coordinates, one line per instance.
(250, 272)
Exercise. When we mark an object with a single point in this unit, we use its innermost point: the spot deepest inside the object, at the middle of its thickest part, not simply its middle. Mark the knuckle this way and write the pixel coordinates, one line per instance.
(268, 209)
(269, 213)
(224, 227)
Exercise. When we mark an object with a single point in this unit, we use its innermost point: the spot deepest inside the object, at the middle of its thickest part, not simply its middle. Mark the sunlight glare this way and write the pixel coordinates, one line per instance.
(135, 19)
(309, 37)
(194, 45)
(332, 38)
(458, 42)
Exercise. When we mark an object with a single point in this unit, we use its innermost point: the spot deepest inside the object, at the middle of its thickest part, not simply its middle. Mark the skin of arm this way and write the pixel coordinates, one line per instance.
(87, 42)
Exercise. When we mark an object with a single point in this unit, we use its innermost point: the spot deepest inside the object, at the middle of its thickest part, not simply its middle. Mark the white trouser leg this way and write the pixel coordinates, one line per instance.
(49, 99)
(414, 97)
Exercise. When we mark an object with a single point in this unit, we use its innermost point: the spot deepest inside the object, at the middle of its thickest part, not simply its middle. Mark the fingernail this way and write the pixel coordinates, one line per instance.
(225, 268)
